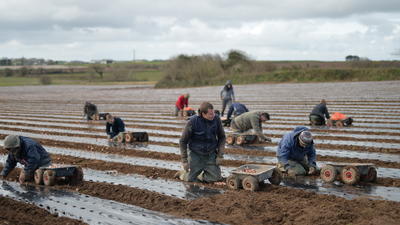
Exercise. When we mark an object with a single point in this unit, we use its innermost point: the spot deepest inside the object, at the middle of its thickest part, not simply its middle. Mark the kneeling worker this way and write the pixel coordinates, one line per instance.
(205, 138)
(27, 152)
(251, 120)
(90, 111)
(318, 114)
(114, 127)
(296, 153)
(181, 103)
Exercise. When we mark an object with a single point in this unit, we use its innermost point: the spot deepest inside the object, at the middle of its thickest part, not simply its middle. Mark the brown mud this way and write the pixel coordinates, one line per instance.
(15, 212)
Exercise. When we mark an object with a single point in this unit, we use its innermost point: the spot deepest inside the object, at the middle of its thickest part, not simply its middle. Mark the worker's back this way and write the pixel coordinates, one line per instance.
(247, 119)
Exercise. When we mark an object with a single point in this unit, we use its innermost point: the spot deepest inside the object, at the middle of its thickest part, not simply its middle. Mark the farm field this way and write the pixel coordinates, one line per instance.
(134, 184)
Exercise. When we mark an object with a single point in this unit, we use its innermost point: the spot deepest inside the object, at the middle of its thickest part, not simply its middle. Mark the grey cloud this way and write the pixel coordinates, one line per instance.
(160, 29)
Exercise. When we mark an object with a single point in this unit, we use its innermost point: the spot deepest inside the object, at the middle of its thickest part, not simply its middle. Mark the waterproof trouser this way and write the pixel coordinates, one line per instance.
(316, 120)
(225, 103)
(295, 167)
(202, 168)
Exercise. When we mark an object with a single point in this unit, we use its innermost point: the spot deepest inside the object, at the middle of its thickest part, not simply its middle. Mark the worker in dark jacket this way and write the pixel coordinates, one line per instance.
(319, 113)
(27, 152)
(114, 127)
(296, 153)
(205, 138)
(90, 111)
(236, 109)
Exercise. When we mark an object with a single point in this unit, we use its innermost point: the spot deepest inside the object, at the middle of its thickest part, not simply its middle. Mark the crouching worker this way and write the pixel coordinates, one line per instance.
(319, 113)
(339, 120)
(205, 138)
(251, 120)
(90, 111)
(296, 153)
(27, 152)
(114, 127)
(236, 109)
(181, 103)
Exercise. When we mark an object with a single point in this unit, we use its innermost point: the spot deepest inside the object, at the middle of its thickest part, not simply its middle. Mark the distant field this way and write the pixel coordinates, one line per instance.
(167, 74)
(117, 73)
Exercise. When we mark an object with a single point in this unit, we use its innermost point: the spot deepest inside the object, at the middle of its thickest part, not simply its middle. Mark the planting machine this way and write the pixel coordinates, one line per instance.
(252, 176)
(241, 139)
(133, 137)
(49, 175)
(349, 173)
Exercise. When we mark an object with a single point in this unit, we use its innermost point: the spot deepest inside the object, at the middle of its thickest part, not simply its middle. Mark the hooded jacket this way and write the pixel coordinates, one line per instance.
(32, 155)
(289, 148)
(227, 93)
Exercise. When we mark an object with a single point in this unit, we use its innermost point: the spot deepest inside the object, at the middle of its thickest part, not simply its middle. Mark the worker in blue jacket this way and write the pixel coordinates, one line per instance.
(27, 152)
(236, 109)
(114, 127)
(296, 153)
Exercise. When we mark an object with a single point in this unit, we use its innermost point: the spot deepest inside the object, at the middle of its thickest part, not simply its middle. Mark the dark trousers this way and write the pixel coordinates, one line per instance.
(225, 103)
(317, 120)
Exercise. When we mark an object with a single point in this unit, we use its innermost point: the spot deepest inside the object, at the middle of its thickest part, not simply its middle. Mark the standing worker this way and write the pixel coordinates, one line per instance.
(296, 153)
(319, 113)
(181, 103)
(251, 120)
(27, 152)
(205, 138)
(227, 96)
(114, 127)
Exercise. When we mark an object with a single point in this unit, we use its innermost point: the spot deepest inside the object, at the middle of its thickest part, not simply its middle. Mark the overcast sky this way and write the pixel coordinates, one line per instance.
(160, 29)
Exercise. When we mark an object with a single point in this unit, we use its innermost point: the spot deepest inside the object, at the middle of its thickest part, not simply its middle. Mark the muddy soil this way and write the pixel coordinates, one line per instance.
(272, 205)
(180, 129)
(170, 156)
(15, 212)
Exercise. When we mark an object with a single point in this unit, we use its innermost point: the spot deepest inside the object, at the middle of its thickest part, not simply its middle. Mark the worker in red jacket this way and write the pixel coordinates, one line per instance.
(181, 103)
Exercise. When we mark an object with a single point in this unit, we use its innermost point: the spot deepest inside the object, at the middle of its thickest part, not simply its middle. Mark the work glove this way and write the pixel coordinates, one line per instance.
(185, 166)
(312, 170)
(286, 167)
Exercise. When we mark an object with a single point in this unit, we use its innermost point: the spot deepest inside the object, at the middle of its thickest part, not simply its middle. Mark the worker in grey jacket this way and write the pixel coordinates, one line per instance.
(205, 138)
(227, 96)
(251, 120)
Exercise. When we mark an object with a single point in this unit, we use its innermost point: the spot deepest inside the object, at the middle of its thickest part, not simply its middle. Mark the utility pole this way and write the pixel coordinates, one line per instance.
(134, 55)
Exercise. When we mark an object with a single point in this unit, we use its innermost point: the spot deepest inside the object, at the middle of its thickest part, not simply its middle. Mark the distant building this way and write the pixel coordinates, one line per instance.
(103, 61)
(352, 58)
